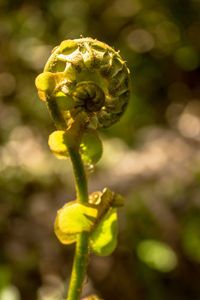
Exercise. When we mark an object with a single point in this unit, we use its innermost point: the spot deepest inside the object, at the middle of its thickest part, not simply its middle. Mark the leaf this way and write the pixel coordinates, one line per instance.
(91, 147)
(103, 239)
(74, 218)
(45, 82)
(57, 144)
(99, 217)
(63, 237)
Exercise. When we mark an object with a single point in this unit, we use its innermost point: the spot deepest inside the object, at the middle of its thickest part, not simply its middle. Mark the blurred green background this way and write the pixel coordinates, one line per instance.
(152, 156)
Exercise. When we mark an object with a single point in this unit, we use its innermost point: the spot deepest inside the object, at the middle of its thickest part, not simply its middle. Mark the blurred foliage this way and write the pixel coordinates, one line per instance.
(151, 156)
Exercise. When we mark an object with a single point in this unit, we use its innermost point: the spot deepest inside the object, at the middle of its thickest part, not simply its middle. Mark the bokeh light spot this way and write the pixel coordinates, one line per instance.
(140, 40)
(167, 32)
(127, 7)
(187, 58)
(157, 255)
(189, 125)
(10, 293)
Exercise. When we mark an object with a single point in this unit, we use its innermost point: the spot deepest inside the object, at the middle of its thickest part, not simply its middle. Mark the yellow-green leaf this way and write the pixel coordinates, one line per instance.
(63, 237)
(91, 147)
(45, 82)
(57, 144)
(103, 239)
(74, 218)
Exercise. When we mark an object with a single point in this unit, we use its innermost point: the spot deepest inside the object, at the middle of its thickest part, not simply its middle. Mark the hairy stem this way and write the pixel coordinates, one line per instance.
(81, 252)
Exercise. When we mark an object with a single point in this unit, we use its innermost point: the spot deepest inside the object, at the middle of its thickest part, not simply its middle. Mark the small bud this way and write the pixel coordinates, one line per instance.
(95, 198)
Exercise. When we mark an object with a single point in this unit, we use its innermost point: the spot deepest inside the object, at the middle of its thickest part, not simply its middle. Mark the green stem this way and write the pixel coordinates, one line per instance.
(81, 252)
(79, 174)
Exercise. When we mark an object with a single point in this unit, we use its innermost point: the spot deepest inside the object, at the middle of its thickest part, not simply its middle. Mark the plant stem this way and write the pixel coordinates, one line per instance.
(81, 252)
(79, 174)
